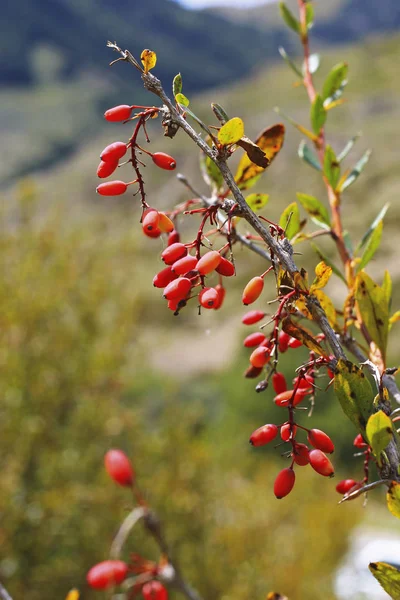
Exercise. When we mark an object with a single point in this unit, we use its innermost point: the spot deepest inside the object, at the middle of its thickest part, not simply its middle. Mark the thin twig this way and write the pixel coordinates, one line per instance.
(4, 595)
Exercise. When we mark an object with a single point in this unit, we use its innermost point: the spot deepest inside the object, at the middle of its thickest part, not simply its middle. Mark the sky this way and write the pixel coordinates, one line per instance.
(235, 3)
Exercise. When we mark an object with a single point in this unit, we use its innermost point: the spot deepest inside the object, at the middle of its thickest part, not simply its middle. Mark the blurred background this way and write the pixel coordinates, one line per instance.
(90, 357)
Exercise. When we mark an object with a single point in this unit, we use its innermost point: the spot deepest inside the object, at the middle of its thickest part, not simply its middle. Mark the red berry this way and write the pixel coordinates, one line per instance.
(165, 223)
(112, 188)
(260, 356)
(178, 289)
(105, 169)
(263, 435)
(173, 253)
(279, 383)
(164, 161)
(283, 399)
(107, 574)
(185, 264)
(305, 383)
(225, 267)
(283, 341)
(221, 295)
(284, 483)
(253, 316)
(254, 339)
(118, 113)
(119, 467)
(164, 277)
(208, 297)
(294, 343)
(150, 220)
(359, 441)
(173, 304)
(301, 454)
(288, 432)
(209, 262)
(320, 440)
(345, 485)
(113, 152)
(252, 372)
(321, 463)
(253, 290)
(173, 237)
(154, 590)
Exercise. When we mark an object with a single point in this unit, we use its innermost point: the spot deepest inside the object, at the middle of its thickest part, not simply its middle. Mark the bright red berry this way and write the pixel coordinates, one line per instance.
(253, 316)
(284, 398)
(283, 341)
(318, 439)
(284, 483)
(178, 289)
(359, 441)
(225, 267)
(173, 253)
(113, 152)
(321, 463)
(254, 339)
(260, 356)
(253, 290)
(119, 467)
(185, 264)
(208, 297)
(105, 169)
(208, 262)
(150, 221)
(221, 295)
(344, 486)
(107, 574)
(112, 188)
(173, 237)
(301, 454)
(279, 383)
(294, 343)
(288, 432)
(304, 383)
(164, 161)
(263, 435)
(154, 590)
(118, 113)
(164, 277)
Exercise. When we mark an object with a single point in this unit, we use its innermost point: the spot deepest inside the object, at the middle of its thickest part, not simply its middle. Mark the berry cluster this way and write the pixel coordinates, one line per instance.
(109, 573)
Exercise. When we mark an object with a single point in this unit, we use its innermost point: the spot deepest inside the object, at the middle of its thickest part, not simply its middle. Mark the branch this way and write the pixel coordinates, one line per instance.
(4, 595)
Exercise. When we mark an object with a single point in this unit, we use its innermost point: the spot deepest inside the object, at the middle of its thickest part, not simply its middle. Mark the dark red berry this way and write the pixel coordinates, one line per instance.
(260, 356)
(254, 339)
(263, 435)
(154, 590)
(318, 439)
(113, 152)
(252, 372)
(173, 237)
(359, 441)
(284, 483)
(283, 341)
(164, 161)
(294, 343)
(119, 467)
(301, 454)
(288, 432)
(279, 383)
(321, 463)
(221, 295)
(107, 574)
(253, 316)
(118, 113)
(344, 486)
(225, 267)
(105, 169)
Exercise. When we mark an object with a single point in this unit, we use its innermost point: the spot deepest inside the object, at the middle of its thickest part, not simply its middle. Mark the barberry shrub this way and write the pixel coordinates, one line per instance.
(346, 345)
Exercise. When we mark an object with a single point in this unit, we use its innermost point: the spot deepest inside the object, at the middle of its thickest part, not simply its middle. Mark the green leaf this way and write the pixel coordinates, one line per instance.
(182, 100)
(331, 167)
(372, 305)
(309, 16)
(356, 171)
(257, 201)
(388, 576)
(289, 18)
(393, 499)
(289, 62)
(308, 156)
(379, 433)
(317, 211)
(293, 226)
(219, 113)
(387, 287)
(335, 80)
(354, 393)
(348, 147)
(211, 174)
(177, 85)
(231, 132)
(348, 242)
(373, 225)
(326, 260)
(372, 246)
(318, 114)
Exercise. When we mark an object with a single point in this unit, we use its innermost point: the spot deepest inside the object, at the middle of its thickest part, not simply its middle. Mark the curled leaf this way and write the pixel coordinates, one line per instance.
(322, 275)
(177, 85)
(306, 337)
(149, 59)
(254, 152)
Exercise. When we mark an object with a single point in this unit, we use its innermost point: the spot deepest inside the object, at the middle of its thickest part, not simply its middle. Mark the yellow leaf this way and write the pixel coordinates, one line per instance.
(393, 499)
(306, 337)
(354, 393)
(270, 141)
(149, 59)
(323, 274)
(257, 201)
(388, 576)
(72, 595)
(327, 305)
(395, 317)
(231, 132)
(181, 99)
(373, 309)
(379, 433)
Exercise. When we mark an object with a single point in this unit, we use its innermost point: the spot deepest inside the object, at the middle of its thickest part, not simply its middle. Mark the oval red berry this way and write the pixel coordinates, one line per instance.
(107, 574)
(118, 113)
(119, 467)
(284, 483)
(164, 161)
